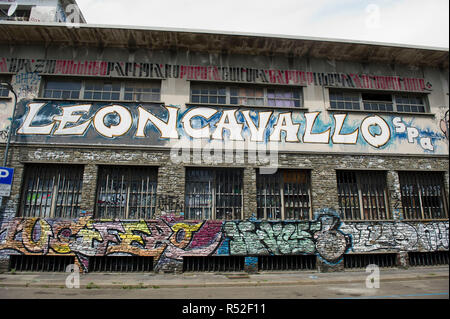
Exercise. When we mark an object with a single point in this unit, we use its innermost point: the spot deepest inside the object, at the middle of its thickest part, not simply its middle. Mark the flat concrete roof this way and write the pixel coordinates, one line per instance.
(154, 38)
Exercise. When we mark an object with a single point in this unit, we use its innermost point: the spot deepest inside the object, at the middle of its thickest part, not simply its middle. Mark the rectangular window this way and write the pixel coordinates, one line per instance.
(213, 194)
(127, 192)
(62, 89)
(344, 100)
(142, 91)
(4, 91)
(284, 195)
(362, 195)
(246, 95)
(379, 102)
(52, 191)
(22, 13)
(102, 90)
(423, 195)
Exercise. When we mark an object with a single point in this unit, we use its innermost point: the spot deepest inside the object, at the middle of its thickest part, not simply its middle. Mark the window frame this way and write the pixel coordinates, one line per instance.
(33, 173)
(231, 86)
(213, 194)
(360, 196)
(394, 96)
(121, 171)
(418, 176)
(85, 80)
(4, 91)
(279, 181)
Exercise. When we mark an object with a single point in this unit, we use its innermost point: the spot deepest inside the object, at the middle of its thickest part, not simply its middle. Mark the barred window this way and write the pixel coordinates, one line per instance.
(375, 101)
(246, 95)
(284, 195)
(102, 90)
(52, 191)
(423, 195)
(362, 195)
(127, 192)
(213, 193)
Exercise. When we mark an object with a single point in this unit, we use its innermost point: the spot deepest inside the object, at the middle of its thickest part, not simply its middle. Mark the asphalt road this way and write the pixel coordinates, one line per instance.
(410, 289)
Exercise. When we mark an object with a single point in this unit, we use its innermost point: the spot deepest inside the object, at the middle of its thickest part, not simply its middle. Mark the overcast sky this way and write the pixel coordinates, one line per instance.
(415, 22)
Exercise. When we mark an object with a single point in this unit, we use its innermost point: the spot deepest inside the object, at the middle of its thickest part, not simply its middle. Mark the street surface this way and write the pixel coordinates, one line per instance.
(409, 289)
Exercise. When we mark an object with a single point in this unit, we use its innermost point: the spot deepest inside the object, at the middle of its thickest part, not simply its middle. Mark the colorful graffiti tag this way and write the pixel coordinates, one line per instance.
(169, 239)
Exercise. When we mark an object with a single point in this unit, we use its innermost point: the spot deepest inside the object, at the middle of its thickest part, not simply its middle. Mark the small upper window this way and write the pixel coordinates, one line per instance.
(4, 91)
(246, 95)
(375, 101)
(103, 90)
(62, 89)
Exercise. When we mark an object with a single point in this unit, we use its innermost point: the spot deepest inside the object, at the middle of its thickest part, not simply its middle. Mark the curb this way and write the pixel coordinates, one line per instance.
(217, 285)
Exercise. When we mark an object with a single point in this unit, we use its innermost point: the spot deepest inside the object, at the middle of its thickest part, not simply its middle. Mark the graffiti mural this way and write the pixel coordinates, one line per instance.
(321, 237)
(404, 236)
(170, 126)
(169, 239)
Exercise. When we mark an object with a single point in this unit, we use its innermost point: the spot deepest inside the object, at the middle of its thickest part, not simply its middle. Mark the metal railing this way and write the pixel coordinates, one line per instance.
(213, 263)
(120, 264)
(40, 263)
(289, 262)
(352, 261)
(434, 258)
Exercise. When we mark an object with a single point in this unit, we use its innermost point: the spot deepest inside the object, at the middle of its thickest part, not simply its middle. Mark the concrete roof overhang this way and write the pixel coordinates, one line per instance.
(133, 38)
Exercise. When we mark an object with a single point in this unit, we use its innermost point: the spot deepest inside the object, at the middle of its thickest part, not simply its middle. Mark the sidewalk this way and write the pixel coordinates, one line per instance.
(190, 280)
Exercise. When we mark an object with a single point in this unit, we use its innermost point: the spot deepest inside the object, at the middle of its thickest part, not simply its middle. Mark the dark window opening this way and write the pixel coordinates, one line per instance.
(120, 264)
(40, 263)
(364, 260)
(434, 258)
(213, 263)
(288, 262)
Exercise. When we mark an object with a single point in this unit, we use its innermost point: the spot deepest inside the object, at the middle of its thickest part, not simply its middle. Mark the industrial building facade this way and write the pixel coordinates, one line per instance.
(172, 150)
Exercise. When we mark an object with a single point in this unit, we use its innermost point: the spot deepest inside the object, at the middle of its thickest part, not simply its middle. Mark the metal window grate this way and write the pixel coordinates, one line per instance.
(285, 195)
(126, 192)
(362, 195)
(52, 190)
(214, 194)
(288, 262)
(428, 258)
(40, 263)
(213, 263)
(423, 195)
(120, 264)
(363, 260)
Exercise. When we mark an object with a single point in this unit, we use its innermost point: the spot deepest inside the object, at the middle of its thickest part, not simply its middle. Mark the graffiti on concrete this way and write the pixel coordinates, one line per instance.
(85, 237)
(321, 237)
(402, 236)
(169, 239)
